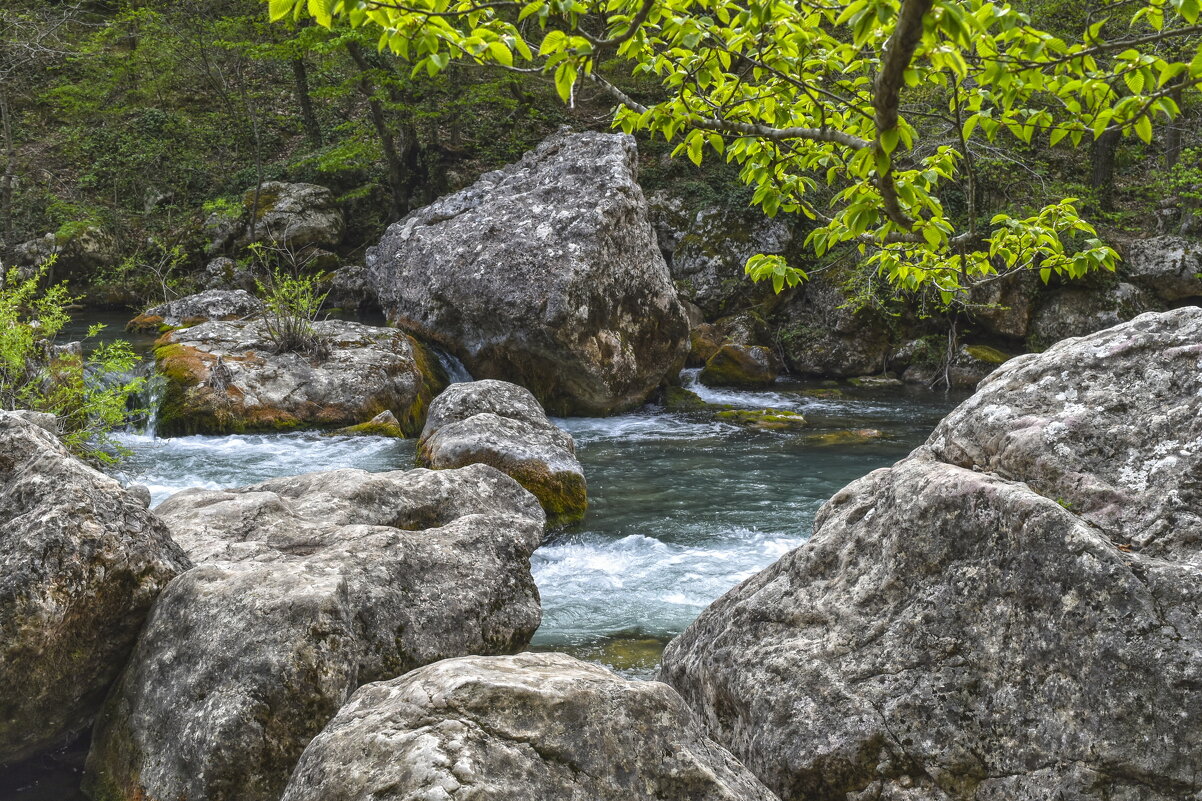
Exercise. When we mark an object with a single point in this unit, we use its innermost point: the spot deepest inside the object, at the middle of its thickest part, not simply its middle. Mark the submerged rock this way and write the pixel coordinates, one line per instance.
(501, 424)
(307, 587)
(1010, 612)
(764, 419)
(225, 377)
(212, 304)
(531, 726)
(740, 366)
(81, 562)
(545, 273)
(850, 436)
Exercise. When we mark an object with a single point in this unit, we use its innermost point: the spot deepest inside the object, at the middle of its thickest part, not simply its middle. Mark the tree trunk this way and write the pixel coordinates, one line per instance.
(1172, 134)
(7, 180)
(392, 159)
(1101, 178)
(300, 75)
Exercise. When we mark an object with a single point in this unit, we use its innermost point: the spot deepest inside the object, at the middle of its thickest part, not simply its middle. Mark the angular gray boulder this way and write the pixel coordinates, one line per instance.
(212, 304)
(81, 562)
(531, 726)
(307, 587)
(1168, 266)
(544, 273)
(226, 377)
(293, 216)
(1009, 613)
(501, 424)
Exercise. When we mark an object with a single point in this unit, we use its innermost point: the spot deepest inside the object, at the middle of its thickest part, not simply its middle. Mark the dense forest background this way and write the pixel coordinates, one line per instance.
(126, 125)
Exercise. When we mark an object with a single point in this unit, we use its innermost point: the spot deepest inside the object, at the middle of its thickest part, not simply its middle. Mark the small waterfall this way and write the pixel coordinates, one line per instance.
(147, 402)
(456, 372)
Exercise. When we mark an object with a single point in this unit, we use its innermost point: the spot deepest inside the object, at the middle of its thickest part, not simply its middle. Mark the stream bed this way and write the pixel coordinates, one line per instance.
(682, 507)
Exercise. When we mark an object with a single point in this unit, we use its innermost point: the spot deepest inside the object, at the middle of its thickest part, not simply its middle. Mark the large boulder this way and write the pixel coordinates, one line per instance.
(1077, 311)
(76, 254)
(1168, 266)
(212, 304)
(1009, 613)
(307, 587)
(501, 424)
(545, 273)
(285, 215)
(225, 377)
(81, 562)
(709, 259)
(532, 726)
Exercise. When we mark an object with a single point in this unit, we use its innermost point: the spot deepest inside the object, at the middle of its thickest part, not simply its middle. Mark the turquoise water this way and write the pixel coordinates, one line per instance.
(682, 508)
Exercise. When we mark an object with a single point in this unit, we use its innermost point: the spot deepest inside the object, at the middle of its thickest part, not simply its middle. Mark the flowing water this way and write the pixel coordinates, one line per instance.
(682, 507)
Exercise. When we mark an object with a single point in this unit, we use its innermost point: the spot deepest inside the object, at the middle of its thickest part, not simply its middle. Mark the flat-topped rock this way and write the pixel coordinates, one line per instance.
(212, 304)
(225, 377)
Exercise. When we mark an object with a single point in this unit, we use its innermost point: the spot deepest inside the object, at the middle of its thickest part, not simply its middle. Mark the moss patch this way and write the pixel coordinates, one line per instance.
(855, 436)
(764, 419)
(984, 353)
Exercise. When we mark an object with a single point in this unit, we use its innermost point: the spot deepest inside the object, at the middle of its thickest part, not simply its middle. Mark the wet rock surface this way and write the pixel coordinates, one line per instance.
(526, 726)
(81, 562)
(545, 273)
(740, 366)
(1008, 613)
(501, 424)
(305, 588)
(225, 377)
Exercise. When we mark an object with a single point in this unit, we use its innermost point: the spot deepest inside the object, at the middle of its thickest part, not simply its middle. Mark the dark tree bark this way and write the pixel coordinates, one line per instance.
(1101, 178)
(300, 76)
(392, 158)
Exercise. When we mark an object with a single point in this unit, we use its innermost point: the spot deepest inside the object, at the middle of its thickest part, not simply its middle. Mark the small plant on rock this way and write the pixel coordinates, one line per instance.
(292, 302)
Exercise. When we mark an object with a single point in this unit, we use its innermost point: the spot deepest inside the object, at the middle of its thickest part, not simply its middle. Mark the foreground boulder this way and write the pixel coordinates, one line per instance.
(307, 587)
(545, 273)
(81, 562)
(1009, 613)
(501, 424)
(213, 304)
(225, 377)
(532, 726)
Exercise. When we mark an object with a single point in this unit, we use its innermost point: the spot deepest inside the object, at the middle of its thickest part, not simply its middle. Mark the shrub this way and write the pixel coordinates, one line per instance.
(87, 392)
(292, 302)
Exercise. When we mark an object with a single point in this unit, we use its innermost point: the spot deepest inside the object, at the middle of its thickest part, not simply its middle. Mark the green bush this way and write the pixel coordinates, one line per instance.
(88, 393)
(292, 302)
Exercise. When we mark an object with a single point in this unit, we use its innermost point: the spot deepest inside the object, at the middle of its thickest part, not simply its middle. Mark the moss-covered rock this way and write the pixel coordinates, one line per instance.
(764, 419)
(679, 399)
(224, 377)
(383, 424)
(851, 436)
(740, 366)
(987, 354)
(875, 381)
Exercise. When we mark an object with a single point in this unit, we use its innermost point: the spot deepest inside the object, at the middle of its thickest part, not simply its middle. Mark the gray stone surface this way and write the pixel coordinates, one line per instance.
(1009, 613)
(819, 335)
(212, 304)
(545, 273)
(305, 588)
(288, 215)
(1168, 266)
(1077, 311)
(81, 561)
(501, 424)
(225, 377)
(532, 726)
